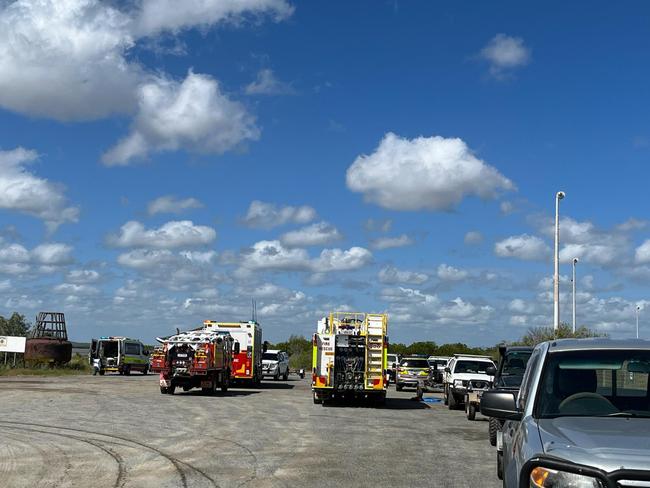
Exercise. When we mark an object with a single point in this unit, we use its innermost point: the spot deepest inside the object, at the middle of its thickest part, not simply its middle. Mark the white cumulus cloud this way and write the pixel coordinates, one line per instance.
(194, 115)
(392, 275)
(449, 273)
(504, 54)
(391, 242)
(473, 237)
(317, 234)
(171, 204)
(642, 253)
(172, 15)
(69, 59)
(268, 215)
(526, 247)
(432, 173)
(24, 192)
(173, 234)
(272, 255)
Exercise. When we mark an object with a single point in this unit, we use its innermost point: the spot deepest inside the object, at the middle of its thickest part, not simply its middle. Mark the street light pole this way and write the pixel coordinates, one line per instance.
(575, 261)
(556, 278)
(637, 321)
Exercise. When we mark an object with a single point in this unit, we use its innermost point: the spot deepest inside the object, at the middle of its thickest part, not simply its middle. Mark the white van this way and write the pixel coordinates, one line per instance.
(118, 354)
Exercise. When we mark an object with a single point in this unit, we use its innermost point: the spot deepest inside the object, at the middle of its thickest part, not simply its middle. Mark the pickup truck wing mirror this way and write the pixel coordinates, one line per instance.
(265, 346)
(447, 370)
(500, 405)
(491, 371)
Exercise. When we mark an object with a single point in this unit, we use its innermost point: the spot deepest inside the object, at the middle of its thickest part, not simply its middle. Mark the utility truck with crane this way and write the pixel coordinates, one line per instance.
(349, 357)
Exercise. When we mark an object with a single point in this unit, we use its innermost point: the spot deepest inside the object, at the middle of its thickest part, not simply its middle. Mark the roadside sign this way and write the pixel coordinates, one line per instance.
(12, 344)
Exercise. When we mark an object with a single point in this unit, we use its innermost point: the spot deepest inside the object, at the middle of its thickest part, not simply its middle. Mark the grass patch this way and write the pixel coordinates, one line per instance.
(77, 365)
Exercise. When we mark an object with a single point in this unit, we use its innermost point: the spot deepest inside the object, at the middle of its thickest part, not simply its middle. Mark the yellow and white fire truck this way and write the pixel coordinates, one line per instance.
(247, 363)
(349, 357)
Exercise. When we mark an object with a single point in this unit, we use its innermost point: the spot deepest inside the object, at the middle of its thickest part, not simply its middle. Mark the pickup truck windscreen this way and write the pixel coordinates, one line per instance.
(515, 363)
(479, 367)
(595, 383)
(270, 356)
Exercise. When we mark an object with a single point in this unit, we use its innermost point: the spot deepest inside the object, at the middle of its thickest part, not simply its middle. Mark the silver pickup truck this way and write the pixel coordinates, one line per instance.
(581, 418)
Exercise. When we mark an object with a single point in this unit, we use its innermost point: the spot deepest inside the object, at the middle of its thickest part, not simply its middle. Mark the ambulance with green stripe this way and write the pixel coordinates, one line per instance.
(118, 355)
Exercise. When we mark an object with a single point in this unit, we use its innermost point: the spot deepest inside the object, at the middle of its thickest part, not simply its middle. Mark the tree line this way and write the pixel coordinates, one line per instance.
(300, 348)
(16, 325)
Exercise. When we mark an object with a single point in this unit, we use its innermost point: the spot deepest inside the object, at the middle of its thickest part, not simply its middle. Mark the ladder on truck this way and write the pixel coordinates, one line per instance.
(375, 334)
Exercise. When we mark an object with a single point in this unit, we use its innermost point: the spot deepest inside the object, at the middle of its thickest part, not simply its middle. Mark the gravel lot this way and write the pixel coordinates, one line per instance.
(117, 431)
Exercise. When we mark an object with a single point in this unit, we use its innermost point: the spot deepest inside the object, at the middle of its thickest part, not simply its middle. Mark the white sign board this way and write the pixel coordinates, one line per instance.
(12, 344)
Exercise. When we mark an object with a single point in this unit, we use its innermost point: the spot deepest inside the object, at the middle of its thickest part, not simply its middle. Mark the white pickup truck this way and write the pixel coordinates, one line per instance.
(462, 369)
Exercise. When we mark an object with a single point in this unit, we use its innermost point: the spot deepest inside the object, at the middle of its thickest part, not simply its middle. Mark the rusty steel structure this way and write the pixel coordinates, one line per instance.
(48, 341)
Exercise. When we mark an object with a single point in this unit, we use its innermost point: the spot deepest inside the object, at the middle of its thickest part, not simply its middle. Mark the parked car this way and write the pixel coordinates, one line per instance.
(392, 361)
(438, 363)
(411, 371)
(507, 377)
(275, 364)
(461, 369)
(581, 417)
(118, 354)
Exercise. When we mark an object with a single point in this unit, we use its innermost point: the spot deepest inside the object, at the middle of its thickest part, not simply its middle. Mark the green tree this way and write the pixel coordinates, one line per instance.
(536, 335)
(299, 349)
(16, 325)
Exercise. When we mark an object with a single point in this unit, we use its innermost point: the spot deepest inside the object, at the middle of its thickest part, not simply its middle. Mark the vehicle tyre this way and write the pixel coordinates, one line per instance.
(317, 399)
(171, 390)
(492, 430)
(471, 411)
(446, 396)
(276, 376)
(285, 376)
(381, 399)
(101, 372)
(399, 386)
(451, 402)
(164, 390)
(127, 370)
(500, 466)
(225, 382)
(145, 371)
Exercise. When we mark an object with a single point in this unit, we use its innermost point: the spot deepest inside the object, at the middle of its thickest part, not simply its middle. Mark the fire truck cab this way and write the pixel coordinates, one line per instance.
(247, 363)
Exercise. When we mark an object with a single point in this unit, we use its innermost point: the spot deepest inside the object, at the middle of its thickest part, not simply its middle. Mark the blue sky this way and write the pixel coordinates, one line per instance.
(164, 164)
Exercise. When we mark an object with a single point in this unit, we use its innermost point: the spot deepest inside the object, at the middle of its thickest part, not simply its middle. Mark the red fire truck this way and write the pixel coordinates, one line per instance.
(194, 359)
(247, 363)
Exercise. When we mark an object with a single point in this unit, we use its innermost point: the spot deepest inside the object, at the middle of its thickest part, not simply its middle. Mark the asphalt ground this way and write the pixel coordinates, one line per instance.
(118, 431)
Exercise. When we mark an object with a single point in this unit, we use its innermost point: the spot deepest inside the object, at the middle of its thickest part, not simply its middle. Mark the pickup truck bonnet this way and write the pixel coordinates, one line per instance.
(576, 439)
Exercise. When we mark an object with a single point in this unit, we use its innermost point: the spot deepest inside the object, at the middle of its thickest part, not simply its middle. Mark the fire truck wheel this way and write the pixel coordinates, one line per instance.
(317, 400)
(226, 382)
(381, 399)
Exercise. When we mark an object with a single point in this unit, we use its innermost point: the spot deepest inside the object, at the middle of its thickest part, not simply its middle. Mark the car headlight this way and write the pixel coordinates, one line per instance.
(458, 383)
(550, 478)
